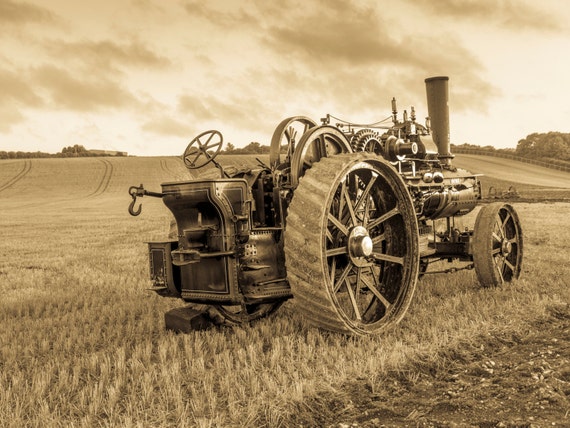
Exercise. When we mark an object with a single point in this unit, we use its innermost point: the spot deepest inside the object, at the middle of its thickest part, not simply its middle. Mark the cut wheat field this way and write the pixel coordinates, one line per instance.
(83, 341)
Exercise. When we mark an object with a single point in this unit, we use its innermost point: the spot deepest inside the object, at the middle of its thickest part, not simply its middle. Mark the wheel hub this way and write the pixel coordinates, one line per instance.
(360, 245)
(506, 247)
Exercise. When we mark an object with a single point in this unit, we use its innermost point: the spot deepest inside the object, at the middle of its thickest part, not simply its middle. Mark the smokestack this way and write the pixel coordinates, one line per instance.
(438, 111)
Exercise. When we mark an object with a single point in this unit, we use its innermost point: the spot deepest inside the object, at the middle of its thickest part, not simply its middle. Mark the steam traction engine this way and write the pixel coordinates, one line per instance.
(343, 222)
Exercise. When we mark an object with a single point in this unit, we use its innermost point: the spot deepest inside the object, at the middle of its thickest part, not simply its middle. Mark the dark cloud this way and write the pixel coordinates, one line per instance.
(106, 55)
(229, 20)
(243, 111)
(514, 15)
(92, 93)
(17, 94)
(166, 125)
(14, 86)
(22, 13)
(357, 58)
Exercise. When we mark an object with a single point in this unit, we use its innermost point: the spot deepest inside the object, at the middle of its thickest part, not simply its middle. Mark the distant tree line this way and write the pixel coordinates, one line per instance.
(67, 152)
(253, 148)
(550, 147)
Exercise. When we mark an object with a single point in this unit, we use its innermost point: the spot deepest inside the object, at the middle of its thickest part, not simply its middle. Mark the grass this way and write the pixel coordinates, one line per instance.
(84, 344)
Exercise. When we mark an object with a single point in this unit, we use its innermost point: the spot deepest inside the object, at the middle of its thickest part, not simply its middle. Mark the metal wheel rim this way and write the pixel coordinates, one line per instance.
(375, 289)
(315, 144)
(506, 245)
(497, 245)
(286, 132)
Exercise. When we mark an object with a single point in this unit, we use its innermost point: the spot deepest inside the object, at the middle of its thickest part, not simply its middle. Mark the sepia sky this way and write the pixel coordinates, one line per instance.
(146, 76)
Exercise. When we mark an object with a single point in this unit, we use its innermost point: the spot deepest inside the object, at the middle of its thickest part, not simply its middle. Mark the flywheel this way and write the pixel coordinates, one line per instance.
(351, 244)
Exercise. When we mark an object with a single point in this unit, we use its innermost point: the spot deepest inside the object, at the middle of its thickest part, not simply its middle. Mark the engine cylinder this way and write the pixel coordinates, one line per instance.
(438, 110)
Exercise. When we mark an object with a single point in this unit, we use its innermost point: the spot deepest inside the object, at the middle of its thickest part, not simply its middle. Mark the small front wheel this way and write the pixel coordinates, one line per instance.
(497, 245)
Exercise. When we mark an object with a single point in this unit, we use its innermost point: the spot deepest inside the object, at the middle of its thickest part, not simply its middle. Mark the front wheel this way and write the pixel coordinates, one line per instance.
(497, 245)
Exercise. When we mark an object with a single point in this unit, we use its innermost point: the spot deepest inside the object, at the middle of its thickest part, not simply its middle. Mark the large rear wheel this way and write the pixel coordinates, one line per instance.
(351, 244)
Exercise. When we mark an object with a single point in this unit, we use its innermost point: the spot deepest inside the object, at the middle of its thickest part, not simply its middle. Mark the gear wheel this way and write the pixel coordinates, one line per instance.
(367, 140)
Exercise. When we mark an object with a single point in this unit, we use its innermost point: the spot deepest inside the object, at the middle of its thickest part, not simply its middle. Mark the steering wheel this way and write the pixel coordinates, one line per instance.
(197, 148)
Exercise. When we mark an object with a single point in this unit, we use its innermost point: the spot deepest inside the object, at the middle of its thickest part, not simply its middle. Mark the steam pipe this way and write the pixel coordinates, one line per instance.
(438, 110)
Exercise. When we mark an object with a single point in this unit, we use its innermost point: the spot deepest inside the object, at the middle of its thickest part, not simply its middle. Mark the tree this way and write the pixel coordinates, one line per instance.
(75, 150)
(230, 148)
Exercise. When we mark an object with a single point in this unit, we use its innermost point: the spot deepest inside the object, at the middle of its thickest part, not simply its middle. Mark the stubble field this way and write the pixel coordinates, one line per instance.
(83, 342)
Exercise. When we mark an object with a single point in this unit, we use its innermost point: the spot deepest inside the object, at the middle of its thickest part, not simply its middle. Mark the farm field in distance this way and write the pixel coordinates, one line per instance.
(83, 342)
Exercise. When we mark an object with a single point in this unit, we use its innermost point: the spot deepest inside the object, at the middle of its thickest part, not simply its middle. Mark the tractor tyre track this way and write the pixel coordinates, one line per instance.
(25, 170)
(164, 166)
(105, 180)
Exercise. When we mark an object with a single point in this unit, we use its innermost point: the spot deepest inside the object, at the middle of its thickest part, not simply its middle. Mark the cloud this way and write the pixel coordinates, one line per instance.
(91, 93)
(246, 112)
(340, 57)
(18, 13)
(224, 17)
(15, 87)
(9, 116)
(166, 125)
(511, 14)
(105, 55)
(17, 94)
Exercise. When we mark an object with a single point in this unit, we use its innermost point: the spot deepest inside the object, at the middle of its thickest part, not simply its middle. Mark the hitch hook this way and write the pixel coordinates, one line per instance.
(135, 191)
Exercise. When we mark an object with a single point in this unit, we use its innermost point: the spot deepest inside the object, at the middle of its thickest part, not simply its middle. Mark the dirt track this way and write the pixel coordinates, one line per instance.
(518, 172)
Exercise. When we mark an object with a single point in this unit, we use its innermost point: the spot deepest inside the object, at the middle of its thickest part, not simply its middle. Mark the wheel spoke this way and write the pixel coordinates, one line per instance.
(336, 251)
(366, 215)
(329, 235)
(207, 141)
(341, 200)
(500, 227)
(211, 146)
(510, 265)
(349, 206)
(376, 292)
(507, 218)
(193, 162)
(378, 239)
(384, 217)
(499, 266)
(342, 278)
(338, 224)
(353, 300)
(290, 134)
(366, 192)
(495, 251)
(388, 258)
(496, 237)
(358, 279)
(332, 272)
